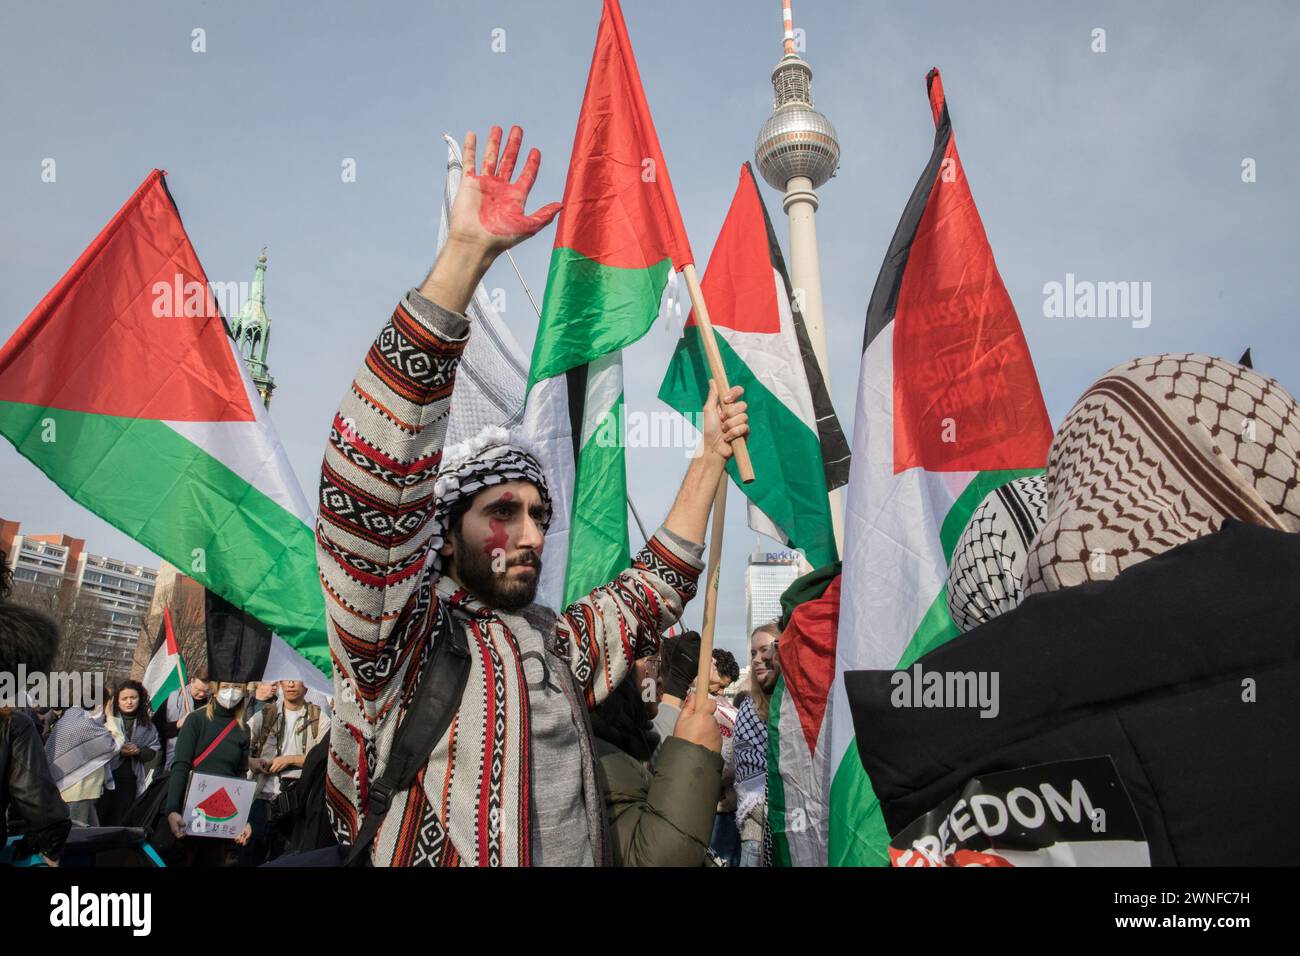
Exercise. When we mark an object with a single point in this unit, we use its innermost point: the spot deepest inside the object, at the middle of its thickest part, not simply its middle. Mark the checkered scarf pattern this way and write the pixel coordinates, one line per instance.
(1158, 453)
(78, 745)
(989, 557)
(493, 457)
(751, 770)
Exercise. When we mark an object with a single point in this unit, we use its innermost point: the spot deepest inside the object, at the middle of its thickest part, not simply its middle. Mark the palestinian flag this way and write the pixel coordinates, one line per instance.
(798, 733)
(124, 387)
(618, 239)
(166, 670)
(796, 444)
(948, 408)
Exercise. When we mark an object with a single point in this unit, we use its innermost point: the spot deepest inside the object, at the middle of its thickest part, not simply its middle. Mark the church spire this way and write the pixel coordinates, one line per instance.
(252, 332)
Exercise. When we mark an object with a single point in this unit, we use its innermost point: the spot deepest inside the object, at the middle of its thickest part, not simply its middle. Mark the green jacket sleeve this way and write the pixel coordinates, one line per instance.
(664, 818)
(180, 772)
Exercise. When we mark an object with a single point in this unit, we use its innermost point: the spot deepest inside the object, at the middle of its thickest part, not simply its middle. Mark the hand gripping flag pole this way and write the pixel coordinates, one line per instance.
(716, 368)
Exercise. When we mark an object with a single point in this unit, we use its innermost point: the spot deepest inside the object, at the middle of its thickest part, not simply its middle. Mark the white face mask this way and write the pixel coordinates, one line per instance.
(230, 696)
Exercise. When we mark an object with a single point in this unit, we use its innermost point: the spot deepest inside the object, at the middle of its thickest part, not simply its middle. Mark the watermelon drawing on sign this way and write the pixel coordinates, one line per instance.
(218, 808)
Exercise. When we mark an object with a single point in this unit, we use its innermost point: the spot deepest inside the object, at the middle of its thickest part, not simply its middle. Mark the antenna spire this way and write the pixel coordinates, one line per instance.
(788, 17)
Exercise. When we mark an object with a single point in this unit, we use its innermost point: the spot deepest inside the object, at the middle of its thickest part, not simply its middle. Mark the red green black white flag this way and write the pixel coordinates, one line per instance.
(124, 386)
(798, 449)
(949, 407)
(618, 240)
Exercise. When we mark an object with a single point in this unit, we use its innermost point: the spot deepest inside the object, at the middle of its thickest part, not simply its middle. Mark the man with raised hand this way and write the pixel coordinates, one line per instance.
(420, 545)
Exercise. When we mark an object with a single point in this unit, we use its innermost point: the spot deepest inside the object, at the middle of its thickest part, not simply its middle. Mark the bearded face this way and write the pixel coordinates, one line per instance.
(496, 551)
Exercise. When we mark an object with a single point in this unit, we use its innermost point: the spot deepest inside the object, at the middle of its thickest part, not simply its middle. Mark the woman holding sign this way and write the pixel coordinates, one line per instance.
(212, 741)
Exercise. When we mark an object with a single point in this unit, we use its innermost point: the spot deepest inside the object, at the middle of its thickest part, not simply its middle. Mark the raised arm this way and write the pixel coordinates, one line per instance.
(385, 445)
(723, 424)
(376, 492)
(614, 625)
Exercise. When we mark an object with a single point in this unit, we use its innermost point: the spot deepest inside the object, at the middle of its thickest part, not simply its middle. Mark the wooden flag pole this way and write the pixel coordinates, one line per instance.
(712, 572)
(170, 633)
(716, 369)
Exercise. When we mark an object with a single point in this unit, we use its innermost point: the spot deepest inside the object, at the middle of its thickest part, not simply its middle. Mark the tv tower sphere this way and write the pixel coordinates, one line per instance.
(796, 140)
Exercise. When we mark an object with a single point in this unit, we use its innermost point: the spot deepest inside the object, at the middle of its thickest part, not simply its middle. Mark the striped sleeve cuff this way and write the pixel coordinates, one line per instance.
(682, 546)
(674, 560)
(444, 323)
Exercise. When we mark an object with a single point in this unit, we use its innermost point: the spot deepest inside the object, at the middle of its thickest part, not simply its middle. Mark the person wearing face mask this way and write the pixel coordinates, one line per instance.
(213, 740)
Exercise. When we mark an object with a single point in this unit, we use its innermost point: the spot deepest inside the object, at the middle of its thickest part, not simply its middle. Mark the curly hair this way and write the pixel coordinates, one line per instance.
(725, 661)
(142, 696)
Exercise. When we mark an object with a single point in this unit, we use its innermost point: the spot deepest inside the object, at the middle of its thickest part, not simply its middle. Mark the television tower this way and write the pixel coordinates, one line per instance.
(796, 152)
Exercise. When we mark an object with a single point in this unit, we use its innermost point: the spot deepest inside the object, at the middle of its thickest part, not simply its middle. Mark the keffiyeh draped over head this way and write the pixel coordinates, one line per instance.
(989, 557)
(1158, 453)
(493, 457)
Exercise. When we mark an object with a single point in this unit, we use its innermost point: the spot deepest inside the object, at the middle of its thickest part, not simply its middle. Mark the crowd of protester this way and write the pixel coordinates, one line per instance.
(684, 783)
(668, 769)
(1165, 522)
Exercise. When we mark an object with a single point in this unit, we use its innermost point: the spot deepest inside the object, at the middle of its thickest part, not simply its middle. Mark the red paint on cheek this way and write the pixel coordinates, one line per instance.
(498, 539)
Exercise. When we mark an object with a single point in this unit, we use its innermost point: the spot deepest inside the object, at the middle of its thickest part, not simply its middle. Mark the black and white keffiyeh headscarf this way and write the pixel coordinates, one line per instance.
(492, 457)
(989, 557)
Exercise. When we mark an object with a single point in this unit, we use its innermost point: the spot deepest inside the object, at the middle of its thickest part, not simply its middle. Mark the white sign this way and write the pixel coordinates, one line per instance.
(217, 806)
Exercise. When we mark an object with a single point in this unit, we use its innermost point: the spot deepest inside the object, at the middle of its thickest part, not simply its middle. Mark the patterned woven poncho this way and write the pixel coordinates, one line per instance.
(379, 525)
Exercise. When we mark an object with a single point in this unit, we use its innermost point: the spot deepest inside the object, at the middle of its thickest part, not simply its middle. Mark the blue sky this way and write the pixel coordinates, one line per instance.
(1123, 165)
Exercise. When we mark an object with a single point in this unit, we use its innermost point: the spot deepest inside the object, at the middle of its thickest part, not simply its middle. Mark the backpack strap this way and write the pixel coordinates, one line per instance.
(434, 703)
(313, 716)
(264, 731)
